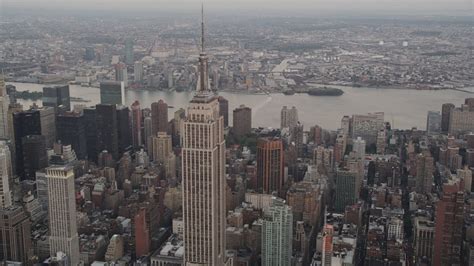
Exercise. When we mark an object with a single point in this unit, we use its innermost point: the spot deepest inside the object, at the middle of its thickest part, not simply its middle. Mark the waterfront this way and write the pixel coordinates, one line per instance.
(406, 108)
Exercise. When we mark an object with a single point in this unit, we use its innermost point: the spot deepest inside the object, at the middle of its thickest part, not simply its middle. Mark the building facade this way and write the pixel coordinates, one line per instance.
(62, 213)
(277, 234)
(270, 172)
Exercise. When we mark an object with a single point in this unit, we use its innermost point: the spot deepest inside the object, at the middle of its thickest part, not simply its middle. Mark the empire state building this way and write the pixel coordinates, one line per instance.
(203, 174)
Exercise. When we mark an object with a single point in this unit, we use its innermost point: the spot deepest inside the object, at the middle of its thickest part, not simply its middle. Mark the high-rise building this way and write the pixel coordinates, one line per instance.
(121, 74)
(24, 123)
(48, 125)
(112, 92)
(4, 103)
(15, 235)
(179, 117)
(346, 189)
(63, 235)
(470, 103)
(71, 130)
(242, 121)
(367, 126)
(11, 92)
(316, 135)
(129, 58)
(34, 155)
(449, 222)
(346, 125)
(136, 122)
(461, 120)
(90, 125)
(358, 147)
(57, 97)
(270, 167)
(381, 141)
(224, 110)
(289, 117)
(203, 174)
(159, 117)
(339, 148)
(124, 134)
(304, 198)
(142, 234)
(424, 173)
(445, 114)
(297, 137)
(107, 129)
(423, 239)
(161, 147)
(327, 248)
(148, 133)
(323, 157)
(138, 71)
(5, 176)
(433, 123)
(277, 234)
(466, 175)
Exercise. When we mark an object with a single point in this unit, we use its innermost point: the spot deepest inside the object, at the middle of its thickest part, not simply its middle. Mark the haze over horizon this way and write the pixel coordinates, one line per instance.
(264, 7)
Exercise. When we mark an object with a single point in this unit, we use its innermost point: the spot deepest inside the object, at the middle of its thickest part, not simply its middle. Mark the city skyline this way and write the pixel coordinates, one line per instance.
(269, 7)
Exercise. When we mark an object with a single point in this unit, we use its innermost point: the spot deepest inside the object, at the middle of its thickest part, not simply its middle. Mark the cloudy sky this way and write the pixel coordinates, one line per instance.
(425, 7)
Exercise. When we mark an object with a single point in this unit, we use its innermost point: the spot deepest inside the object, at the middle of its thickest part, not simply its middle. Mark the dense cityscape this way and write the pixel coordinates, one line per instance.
(115, 183)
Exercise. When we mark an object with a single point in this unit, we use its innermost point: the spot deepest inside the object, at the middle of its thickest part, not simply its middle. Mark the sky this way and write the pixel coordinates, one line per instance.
(400, 7)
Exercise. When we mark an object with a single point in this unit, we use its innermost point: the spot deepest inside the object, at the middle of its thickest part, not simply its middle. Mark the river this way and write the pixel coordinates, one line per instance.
(405, 108)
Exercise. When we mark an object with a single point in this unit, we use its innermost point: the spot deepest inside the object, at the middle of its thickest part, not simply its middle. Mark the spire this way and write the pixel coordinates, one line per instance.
(202, 27)
(203, 80)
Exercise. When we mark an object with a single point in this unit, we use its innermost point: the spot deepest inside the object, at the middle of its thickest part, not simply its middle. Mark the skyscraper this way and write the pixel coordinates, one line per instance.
(48, 125)
(112, 92)
(433, 123)
(4, 102)
(445, 113)
(367, 126)
(289, 117)
(358, 146)
(71, 130)
(138, 71)
(203, 173)
(346, 189)
(34, 155)
(124, 134)
(449, 221)
(424, 173)
(5, 175)
(148, 133)
(136, 122)
(90, 124)
(161, 147)
(121, 74)
(107, 129)
(224, 110)
(24, 123)
(269, 165)
(57, 97)
(15, 235)
(346, 125)
(159, 117)
(62, 213)
(242, 121)
(129, 51)
(461, 120)
(277, 234)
